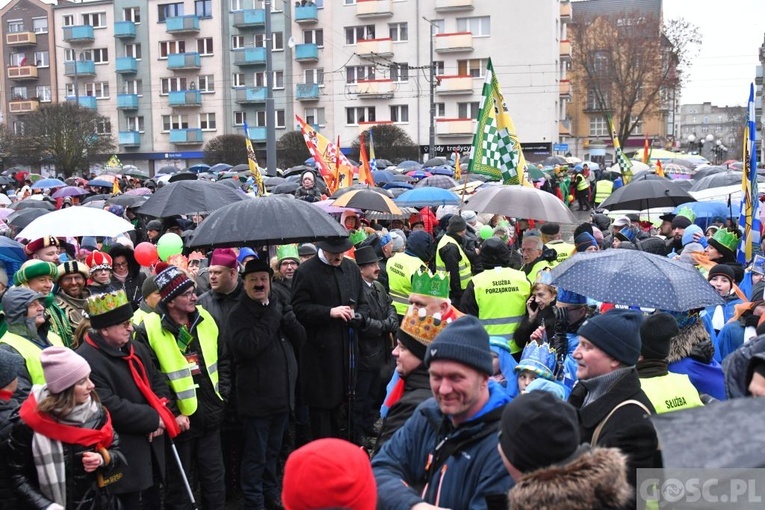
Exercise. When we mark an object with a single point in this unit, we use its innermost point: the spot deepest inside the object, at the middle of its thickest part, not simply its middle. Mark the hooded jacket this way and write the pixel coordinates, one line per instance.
(691, 352)
(135, 278)
(736, 367)
(416, 391)
(420, 244)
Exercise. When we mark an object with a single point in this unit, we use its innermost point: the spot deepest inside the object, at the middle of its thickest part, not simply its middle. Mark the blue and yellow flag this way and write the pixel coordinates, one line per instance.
(749, 216)
(253, 163)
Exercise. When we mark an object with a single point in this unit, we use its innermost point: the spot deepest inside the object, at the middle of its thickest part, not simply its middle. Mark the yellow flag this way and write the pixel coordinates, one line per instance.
(457, 170)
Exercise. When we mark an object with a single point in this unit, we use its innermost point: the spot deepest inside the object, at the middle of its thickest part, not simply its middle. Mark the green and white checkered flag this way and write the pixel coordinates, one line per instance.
(625, 165)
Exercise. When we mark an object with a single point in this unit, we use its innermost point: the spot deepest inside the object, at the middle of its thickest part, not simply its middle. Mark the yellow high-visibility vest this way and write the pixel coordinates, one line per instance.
(463, 265)
(400, 268)
(670, 392)
(501, 295)
(603, 190)
(31, 353)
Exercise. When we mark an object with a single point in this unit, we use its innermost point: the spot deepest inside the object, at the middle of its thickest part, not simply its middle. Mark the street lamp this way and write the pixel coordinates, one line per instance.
(719, 149)
(432, 130)
(710, 138)
(691, 142)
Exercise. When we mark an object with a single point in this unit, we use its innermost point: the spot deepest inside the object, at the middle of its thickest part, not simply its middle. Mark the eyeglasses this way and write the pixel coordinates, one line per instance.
(289, 263)
(188, 293)
(120, 264)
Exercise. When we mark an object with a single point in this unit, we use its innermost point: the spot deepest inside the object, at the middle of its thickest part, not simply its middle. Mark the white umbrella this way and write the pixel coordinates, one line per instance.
(74, 222)
(520, 202)
(637, 166)
(719, 194)
(4, 200)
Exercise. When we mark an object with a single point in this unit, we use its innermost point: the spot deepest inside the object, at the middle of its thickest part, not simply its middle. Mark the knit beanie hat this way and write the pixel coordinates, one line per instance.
(34, 269)
(329, 473)
(584, 241)
(616, 332)
(62, 368)
(722, 270)
(456, 224)
(244, 253)
(10, 366)
(656, 332)
(172, 282)
(538, 430)
(464, 341)
(681, 222)
(689, 232)
(149, 287)
(399, 241)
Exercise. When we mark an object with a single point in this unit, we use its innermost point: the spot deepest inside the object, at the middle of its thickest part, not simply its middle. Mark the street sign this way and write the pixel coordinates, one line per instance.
(560, 147)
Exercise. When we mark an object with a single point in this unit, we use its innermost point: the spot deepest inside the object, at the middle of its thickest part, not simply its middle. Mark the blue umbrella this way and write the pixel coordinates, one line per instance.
(101, 183)
(310, 162)
(201, 167)
(398, 185)
(706, 211)
(443, 170)
(48, 183)
(382, 176)
(409, 165)
(432, 197)
(11, 255)
(219, 167)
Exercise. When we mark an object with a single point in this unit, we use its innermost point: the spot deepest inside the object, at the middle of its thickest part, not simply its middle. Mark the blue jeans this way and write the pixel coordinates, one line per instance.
(262, 442)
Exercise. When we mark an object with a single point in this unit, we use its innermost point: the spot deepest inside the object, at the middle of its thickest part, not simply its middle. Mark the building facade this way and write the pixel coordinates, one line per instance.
(715, 132)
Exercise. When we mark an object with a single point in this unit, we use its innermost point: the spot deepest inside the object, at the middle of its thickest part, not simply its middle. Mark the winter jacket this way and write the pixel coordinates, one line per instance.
(263, 340)
(691, 352)
(135, 278)
(81, 488)
(374, 336)
(8, 414)
(736, 367)
(735, 334)
(220, 306)
(309, 195)
(39, 337)
(527, 326)
(132, 416)
(421, 244)
(473, 472)
(316, 288)
(416, 391)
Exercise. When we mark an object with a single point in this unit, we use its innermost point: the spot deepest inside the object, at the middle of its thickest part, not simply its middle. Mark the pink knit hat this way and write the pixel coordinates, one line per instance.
(62, 368)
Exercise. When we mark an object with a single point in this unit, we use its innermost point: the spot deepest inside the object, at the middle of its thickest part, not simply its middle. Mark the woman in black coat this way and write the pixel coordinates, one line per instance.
(540, 309)
(130, 278)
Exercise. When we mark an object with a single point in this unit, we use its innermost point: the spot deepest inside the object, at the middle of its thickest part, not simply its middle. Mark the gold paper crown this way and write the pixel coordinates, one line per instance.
(103, 303)
(435, 285)
(422, 327)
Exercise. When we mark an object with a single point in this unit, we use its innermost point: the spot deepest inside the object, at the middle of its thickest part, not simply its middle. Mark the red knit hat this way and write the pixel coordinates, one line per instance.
(329, 473)
(99, 260)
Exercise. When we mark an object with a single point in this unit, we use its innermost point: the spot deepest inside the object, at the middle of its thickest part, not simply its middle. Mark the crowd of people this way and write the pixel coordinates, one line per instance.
(422, 362)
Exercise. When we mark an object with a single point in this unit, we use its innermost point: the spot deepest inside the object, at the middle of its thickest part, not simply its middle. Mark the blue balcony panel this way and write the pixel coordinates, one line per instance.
(182, 24)
(127, 101)
(124, 29)
(130, 138)
(251, 95)
(257, 134)
(307, 91)
(126, 65)
(306, 14)
(190, 136)
(181, 61)
(85, 101)
(181, 98)
(79, 34)
(306, 52)
(250, 18)
(250, 57)
(83, 68)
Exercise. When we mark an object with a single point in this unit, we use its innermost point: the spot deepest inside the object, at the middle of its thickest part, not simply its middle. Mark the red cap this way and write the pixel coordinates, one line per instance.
(224, 257)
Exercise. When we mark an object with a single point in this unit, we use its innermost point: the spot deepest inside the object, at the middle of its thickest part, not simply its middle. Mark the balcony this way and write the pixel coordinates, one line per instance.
(21, 39)
(83, 68)
(453, 85)
(565, 12)
(565, 89)
(365, 126)
(185, 98)
(127, 101)
(306, 14)
(250, 18)
(79, 34)
(253, 95)
(454, 42)
(257, 134)
(452, 128)
(374, 89)
(565, 50)
(250, 57)
(22, 73)
(454, 5)
(374, 47)
(124, 29)
(126, 65)
(306, 52)
(182, 24)
(19, 106)
(182, 61)
(307, 91)
(129, 138)
(373, 9)
(88, 102)
(192, 136)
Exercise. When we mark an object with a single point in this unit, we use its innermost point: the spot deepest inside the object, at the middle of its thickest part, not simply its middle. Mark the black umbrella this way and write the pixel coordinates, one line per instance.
(647, 194)
(93, 198)
(219, 167)
(242, 167)
(186, 197)
(554, 160)
(718, 180)
(647, 175)
(285, 188)
(127, 200)
(705, 170)
(168, 170)
(32, 204)
(264, 221)
(270, 182)
(435, 162)
(5, 180)
(298, 170)
(20, 219)
(230, 183)
(183, 176)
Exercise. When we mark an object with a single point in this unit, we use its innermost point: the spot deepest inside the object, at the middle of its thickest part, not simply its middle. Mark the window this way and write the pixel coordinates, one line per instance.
(205, 46)
(473, 67)
(360, 114)
(97, 55)
(174, 122)
(68, 20)
(170, 47)
(131, 14)
(240, 118)
(598, 126)
(439, 65)
(638, 129)
(236, 5)
(207, 121)
(167, 85)
(399, 113)
(165, 11)
(277, 41)
(237, 79)
(280, 119)
(278, 80)
(43, 93)
(69, 55)
(260, 118)
(349, 2)
(207, 83)
(133, 50)
(439, 26)
(95, 19)
(42, 59)
(314, 37)
(354, 74)
(99, 89)
(398, 32)
(132, 87)
(135, 124)
(103, 127)
(594, 100)
(315, 76)
(15, 26)
(237, 42)
(315, 116)
(20, 93)
(40, 25)
(399, 72)
(355, 34)
(203, 8)
(440, 109)
(479, 26)
(69, 89)
(468, 110)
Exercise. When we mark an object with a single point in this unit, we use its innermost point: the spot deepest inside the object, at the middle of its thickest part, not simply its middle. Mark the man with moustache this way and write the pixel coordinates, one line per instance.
(328, 299)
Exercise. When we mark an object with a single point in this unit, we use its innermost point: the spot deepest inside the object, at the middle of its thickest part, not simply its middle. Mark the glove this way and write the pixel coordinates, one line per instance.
(703, 351)
(357, 322)
(751, 321)
(288, 316)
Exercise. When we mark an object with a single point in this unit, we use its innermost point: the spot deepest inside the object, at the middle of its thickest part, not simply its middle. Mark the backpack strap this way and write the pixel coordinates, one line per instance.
(599, 428)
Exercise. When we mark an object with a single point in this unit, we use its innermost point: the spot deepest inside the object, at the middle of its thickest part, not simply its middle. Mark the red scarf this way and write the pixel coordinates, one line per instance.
(6, 395)
(43, 424)
(138, 371)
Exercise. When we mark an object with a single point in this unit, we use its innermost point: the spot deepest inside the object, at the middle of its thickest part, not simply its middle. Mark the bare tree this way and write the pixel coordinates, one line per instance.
(66, 135)
(629, 64)
(291, 150)
(229, 149)
(390, 142)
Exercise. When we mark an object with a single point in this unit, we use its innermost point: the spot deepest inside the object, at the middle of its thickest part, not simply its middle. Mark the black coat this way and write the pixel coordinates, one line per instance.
(450, 255)
(416, 391)
(317, 288)
(134, 281)
(81, 487)
(8, 414)
(132, 416)
(374, 337)
(263, 342)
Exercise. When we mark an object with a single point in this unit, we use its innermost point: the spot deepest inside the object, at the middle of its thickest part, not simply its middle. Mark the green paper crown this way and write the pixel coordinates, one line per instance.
(287, 251)
(103, 303)
(688, 213)
(727, 238)
(357, 236)
(434, 285)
